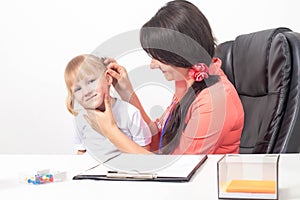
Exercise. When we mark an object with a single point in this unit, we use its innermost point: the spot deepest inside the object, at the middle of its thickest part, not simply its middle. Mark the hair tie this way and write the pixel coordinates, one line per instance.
(198, 72)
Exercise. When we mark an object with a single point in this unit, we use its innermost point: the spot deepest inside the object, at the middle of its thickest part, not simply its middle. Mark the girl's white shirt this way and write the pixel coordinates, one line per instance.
(129, 121)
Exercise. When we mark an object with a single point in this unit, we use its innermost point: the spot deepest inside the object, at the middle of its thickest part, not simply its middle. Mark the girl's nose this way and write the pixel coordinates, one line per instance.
(87, 91)
(154, 64)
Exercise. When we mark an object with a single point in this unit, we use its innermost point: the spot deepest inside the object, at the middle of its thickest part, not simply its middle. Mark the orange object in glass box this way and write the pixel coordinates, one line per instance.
(252, 186)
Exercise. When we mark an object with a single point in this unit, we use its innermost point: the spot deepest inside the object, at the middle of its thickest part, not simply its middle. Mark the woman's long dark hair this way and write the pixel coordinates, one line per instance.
(179, 35)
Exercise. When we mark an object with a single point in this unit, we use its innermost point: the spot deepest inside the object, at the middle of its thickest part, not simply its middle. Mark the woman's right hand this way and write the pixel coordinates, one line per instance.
(121, 81)
(124, 88)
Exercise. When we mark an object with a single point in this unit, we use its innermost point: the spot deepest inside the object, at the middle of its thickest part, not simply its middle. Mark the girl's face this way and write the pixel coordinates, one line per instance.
(170, 72)
(89, 90)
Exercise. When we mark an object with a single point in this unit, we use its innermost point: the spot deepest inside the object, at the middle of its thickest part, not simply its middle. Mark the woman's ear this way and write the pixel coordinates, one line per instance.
(108, 78)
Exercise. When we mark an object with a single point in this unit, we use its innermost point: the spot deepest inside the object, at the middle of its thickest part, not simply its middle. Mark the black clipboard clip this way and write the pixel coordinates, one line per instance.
(130, 175)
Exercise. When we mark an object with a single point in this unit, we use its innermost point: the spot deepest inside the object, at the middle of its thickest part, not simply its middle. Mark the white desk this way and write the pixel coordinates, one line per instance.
(203, 185)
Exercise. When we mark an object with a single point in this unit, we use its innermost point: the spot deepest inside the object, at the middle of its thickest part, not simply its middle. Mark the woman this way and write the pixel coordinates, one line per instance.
(206, 115)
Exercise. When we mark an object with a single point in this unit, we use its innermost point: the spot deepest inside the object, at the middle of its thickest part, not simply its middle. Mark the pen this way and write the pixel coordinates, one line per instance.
(117, 174)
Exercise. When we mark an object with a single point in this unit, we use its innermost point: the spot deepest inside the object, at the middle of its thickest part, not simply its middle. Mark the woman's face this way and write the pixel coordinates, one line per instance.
(89, 91)
(170, 72)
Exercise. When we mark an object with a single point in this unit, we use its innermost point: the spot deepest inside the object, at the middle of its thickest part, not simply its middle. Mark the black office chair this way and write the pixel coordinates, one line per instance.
(264, 67)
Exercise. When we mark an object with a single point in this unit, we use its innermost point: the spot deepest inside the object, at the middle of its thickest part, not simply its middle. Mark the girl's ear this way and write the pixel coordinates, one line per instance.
(108, 77)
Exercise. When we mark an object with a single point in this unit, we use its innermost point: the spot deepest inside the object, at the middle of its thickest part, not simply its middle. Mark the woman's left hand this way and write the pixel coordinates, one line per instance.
(102, 121)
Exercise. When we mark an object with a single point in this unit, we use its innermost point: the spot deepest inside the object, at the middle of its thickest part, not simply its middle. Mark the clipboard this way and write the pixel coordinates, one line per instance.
(142, 167)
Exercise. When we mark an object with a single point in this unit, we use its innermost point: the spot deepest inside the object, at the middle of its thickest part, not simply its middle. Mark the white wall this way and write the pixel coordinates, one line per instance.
(38, 38)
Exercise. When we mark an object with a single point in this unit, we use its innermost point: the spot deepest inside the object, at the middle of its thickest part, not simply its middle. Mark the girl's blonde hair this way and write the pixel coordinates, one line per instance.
(76, 69)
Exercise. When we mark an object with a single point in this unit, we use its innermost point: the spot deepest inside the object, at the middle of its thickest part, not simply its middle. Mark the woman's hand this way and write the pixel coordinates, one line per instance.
(121, 81)
(124, 88)
(102, 122)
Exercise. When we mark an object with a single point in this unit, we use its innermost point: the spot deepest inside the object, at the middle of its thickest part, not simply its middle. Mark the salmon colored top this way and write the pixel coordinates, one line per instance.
(214, 121)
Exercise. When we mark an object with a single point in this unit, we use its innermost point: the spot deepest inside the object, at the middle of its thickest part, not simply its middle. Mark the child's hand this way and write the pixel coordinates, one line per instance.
(102, 122)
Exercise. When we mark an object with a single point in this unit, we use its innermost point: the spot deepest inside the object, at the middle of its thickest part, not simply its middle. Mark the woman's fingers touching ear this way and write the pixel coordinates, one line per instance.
(113, 74)
(109, 78)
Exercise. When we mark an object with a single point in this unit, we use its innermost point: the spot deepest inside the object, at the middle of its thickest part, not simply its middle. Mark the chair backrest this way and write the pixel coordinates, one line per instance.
(264, 67)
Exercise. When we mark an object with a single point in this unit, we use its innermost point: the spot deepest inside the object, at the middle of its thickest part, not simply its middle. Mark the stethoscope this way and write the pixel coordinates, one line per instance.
(163, 132)
(165, 125)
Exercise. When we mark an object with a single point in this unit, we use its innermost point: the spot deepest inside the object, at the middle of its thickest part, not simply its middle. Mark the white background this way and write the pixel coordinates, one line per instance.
(38, 38)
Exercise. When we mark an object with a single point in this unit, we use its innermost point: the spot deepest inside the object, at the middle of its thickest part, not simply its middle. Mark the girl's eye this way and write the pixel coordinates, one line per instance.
(92, 80)
(77, 89)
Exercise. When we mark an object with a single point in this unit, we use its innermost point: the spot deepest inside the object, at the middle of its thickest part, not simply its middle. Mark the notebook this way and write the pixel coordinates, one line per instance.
(141, 167)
